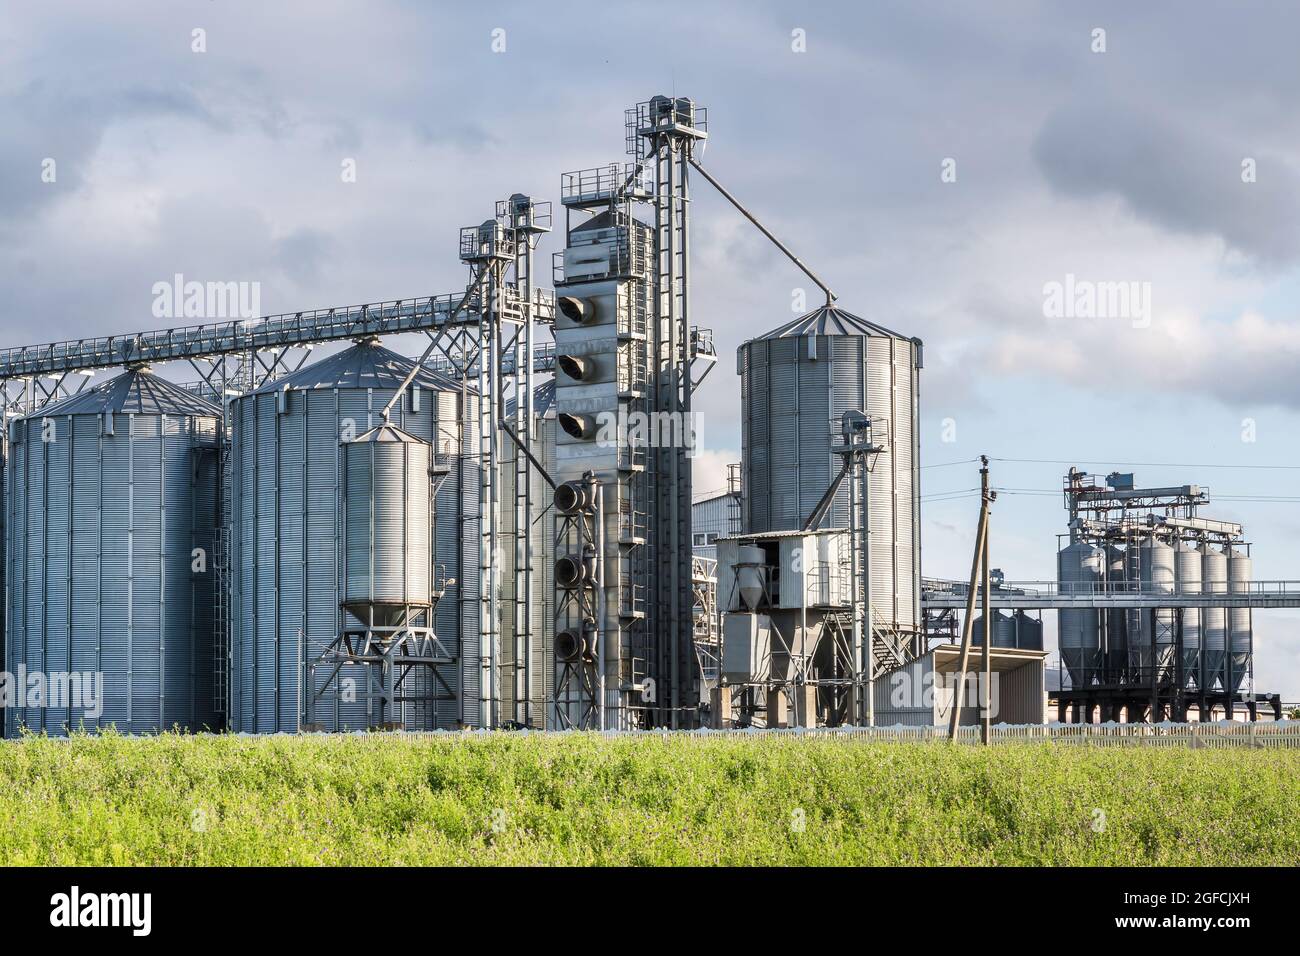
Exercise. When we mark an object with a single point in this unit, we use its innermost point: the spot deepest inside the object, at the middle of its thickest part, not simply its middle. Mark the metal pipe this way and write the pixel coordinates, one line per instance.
(827, 496)
(830, 296)
(505, 427)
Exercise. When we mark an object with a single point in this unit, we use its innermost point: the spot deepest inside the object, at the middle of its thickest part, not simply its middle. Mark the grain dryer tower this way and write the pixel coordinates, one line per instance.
(112, 512)
(625, 348)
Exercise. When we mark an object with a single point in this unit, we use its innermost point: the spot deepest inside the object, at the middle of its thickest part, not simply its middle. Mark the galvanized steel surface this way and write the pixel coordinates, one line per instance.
(110, 526)
(288, 539)
(1187, 568)
(387, 525)
(1078, 570)
(796, 384)
(1239, 620)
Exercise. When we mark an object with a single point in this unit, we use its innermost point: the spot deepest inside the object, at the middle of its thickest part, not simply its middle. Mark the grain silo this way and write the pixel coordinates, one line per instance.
(289, 535)
(1115, 620)
(797, 382)
(1078, 568)
(1010, 629)
(1159, 625)
(1240, 635)
(112, 512)
(1187, 568)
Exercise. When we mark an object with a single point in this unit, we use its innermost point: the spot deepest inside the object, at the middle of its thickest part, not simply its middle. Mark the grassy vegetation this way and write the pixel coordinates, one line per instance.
(586, 800)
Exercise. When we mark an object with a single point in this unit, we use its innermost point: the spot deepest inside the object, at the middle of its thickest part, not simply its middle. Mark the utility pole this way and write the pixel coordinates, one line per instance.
(986, 716)
(979, 563)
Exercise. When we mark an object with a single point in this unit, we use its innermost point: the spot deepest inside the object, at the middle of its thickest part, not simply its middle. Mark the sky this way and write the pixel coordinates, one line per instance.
(942, 165)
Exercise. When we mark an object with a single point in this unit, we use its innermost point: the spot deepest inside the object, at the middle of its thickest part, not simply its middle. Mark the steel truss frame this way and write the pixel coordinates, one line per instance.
(579, 685)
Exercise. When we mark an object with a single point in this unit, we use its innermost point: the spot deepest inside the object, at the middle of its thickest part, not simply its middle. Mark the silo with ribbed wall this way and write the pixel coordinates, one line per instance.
(1214, 620)
(111, 498)
(1240, 633)
(1187, 568)
(1078, 573)
(288, 540)
(1116, 619)
(797, 382)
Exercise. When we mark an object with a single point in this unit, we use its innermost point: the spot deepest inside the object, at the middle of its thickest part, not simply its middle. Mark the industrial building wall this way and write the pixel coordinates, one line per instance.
(895, 693)
(913, 695)
(713, 518)
(1022, 694)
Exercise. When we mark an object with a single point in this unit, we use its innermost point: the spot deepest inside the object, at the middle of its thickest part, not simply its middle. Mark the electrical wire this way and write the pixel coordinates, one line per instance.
(1143, 464)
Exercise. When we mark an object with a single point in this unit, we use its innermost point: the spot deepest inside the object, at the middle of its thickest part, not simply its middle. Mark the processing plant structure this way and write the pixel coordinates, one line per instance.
(497, 533)
(1154, 661)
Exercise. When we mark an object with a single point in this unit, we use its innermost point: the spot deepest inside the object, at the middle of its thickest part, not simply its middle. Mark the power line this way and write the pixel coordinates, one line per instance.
(1053, 492)
(1142, 464)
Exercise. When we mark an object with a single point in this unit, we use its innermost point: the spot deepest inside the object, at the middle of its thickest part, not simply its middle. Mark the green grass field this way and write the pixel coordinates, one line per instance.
(506, 799)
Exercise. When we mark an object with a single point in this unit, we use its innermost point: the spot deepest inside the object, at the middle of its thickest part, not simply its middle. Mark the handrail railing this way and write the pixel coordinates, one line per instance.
(243, 335)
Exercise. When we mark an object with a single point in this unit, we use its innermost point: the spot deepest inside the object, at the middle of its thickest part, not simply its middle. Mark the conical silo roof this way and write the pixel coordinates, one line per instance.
(365, 365)
(134, 392)
(388, 434)
(543, 399)
(829, 320)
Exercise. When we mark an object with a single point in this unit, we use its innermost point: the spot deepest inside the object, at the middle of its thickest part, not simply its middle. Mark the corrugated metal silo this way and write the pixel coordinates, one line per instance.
(1078, 572)
(112, 517)
(1003, 630)
(1239, 620)
(1158, 575)
(1214, 620)
(1187, 568)
(386, 526)
(796, 383)
(1116, 652)
(1028, 632)
(288, 536)
(1137, 623)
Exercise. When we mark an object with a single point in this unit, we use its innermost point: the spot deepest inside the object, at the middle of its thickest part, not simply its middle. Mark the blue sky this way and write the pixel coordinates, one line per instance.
(1123, 165)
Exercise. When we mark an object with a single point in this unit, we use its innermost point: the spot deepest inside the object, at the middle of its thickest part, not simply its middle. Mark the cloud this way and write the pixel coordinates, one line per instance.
(1184, 178)
(709, 471)
(1250, 360)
